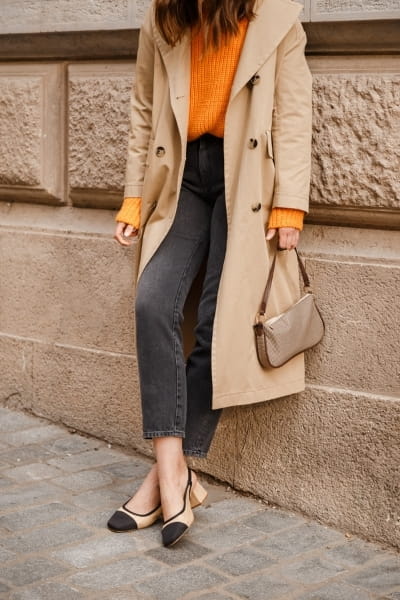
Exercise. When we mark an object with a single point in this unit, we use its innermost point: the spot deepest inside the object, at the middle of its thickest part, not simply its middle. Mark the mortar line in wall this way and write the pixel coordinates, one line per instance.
(348, 391)
(65, 119)
(58, 233)
(359, 260)
(57, 345)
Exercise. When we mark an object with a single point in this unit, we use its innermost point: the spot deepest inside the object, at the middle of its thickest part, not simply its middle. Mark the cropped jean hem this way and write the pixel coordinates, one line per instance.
(149, 435)
(195, 453)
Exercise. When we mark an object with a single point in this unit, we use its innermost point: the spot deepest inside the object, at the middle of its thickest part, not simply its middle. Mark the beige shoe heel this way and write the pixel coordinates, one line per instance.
(197, 495)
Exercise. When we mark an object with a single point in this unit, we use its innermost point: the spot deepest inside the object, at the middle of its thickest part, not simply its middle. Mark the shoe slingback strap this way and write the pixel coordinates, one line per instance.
(188, 487)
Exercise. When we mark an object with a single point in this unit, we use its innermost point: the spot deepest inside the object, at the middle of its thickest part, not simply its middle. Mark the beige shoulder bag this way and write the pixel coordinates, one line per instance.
(282, 337)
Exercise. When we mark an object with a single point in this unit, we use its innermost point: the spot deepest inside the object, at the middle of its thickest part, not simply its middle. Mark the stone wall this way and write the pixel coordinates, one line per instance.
(66, 288)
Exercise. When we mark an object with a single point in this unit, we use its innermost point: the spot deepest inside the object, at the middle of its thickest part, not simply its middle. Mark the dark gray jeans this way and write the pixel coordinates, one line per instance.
(176, 397)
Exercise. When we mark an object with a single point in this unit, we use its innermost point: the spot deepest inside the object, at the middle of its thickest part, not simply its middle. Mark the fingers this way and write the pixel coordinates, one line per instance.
(270, 234)
(288, 238)
(125, 234)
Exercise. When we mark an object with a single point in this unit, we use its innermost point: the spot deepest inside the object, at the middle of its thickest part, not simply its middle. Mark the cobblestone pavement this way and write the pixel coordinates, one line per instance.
(58, 489)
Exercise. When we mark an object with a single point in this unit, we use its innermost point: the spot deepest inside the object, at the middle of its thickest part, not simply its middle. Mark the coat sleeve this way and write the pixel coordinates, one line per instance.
(292, 123)
(141, 112)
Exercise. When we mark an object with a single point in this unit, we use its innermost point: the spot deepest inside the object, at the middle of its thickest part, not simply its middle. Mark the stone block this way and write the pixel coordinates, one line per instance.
(332, 10)
(85, 460)
(28, 495)
(25, 455)
(273, 520)
(34, 16)
(30, 570)
(258, 584)
(310, 570)
(32, 134)
(184, 552)
(33, 517)
(85, 554)
(34, 435)
(6, 555)
(32, 472)
(133, 468)
(226, 511)
(356, 126)
(353, 553)
(13, 421)
(46, 536)
(380, 578)
(243, 561)
(4, 588)
(88, 300)
(336, 591)
(73, 444)
(16, 374)
(226, 537)
(187, 579)
(127, 570)
(96, 392)
(83, 481)
(362, 325)
(298, 540)
(98, 132)
(102, 499)
(48, 591)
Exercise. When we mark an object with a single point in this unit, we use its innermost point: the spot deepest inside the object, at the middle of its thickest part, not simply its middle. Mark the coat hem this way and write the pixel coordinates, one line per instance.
(257, 396)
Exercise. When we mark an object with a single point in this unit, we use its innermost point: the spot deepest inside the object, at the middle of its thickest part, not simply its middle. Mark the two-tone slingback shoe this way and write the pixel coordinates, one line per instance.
(125, 520)
(175, 527)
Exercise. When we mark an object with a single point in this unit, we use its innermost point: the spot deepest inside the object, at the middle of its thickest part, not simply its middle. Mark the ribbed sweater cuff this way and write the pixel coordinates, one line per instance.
(130, 212)
(286, 217)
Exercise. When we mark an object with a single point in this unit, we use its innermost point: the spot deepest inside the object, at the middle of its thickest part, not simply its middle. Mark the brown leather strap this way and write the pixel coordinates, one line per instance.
(303, 272)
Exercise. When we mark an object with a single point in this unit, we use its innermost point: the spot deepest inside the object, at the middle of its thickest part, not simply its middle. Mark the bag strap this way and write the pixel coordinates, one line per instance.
(303, 272)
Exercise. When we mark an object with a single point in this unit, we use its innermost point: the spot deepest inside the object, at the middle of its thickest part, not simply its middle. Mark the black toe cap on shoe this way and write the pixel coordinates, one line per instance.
(121, 522)
(173, 532)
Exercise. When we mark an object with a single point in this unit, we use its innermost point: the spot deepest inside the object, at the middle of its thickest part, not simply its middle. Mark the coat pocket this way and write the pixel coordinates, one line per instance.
(269, 150)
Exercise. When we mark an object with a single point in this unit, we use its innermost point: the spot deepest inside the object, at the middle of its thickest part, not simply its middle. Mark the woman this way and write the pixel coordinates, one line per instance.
(218, 162)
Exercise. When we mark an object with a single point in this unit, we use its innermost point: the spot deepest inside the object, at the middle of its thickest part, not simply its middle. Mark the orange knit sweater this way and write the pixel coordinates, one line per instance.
(208, 104)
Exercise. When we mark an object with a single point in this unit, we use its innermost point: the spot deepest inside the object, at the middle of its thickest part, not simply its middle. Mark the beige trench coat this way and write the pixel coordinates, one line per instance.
(267, 150)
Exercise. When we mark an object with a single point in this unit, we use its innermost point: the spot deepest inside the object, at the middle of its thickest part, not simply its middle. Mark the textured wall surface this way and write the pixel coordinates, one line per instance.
(98, 125)
(67, 275)
(31, 131)
(20, 130)
(356, 152)
(322, 10)
(69, 15)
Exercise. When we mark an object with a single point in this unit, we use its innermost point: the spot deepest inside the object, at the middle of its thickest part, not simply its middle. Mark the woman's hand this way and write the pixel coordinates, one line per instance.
(125, 234)
(288, 237)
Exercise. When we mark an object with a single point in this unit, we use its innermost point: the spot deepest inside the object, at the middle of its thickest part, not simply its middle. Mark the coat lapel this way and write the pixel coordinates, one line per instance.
(177, 65)
(274, 19)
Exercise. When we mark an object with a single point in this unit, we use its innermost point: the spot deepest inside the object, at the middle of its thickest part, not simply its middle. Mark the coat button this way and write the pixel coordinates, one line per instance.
(160, 151)
(253, 143)
(254, 80)
(256, 207)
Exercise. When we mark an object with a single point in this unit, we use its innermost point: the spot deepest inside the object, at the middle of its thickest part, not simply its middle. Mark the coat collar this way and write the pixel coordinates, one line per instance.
(273, 20)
